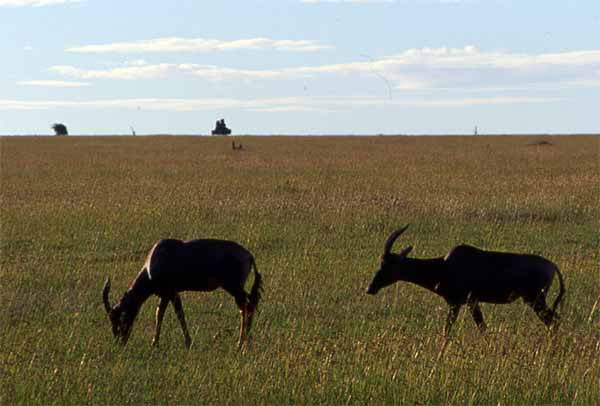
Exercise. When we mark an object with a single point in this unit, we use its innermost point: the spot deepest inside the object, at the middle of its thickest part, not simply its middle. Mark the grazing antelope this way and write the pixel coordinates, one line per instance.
(174, 266)
(468, 275)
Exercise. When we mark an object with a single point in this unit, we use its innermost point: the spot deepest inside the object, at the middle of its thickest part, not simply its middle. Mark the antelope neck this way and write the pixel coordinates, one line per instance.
(424, 272)
(139, 291)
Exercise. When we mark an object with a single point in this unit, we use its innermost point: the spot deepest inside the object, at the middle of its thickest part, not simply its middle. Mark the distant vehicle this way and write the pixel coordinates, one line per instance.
(221, 128)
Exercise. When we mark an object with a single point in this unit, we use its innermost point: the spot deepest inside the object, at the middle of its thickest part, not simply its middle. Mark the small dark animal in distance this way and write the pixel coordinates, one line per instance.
(468, 275)
(174, 266)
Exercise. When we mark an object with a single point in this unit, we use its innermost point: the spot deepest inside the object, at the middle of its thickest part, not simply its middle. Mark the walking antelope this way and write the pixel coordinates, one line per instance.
(174, 266)
(468, 275)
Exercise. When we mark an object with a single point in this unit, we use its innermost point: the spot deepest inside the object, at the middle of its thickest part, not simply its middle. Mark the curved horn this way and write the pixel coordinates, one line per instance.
(105, 292)
(392, 238)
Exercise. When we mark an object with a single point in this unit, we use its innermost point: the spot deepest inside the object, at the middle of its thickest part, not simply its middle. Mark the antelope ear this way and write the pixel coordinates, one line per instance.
(406, 251)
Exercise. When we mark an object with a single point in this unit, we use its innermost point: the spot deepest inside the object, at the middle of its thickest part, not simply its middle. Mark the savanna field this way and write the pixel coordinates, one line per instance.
(315, 212)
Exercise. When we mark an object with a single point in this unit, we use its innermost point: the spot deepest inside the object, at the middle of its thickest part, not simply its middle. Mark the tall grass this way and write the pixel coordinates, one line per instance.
(315, 212)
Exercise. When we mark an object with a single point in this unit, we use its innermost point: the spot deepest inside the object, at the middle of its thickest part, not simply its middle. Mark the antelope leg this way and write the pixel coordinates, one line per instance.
(242, 328)
(477, 315)
(160, 312)
(181, 316)
(452, 315)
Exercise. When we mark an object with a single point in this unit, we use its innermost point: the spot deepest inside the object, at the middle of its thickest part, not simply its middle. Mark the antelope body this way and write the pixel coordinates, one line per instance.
(468, 275)
(174, 266)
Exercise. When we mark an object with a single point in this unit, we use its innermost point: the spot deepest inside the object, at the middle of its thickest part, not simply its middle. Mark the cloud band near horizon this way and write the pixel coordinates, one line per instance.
(285, 104)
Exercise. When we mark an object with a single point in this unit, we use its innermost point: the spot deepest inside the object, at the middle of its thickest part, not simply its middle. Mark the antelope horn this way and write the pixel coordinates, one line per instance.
(392, 238)
(105, 291)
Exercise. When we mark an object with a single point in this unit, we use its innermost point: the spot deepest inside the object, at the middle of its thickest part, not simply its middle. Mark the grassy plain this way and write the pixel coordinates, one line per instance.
(315, 212)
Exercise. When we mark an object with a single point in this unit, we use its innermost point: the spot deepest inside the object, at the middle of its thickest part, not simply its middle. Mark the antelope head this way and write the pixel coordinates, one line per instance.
(388, 272)
(120, 315)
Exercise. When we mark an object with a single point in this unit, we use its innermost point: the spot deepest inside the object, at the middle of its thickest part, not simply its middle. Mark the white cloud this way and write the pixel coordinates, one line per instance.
(289, 109)
(51, 83)
(472, 57)
(140, 71)
(136, 62)
(347, 1)
(35, 3)
(376, 1)
(465, 68)
(175, 44)
(121, 73)
(266, 105)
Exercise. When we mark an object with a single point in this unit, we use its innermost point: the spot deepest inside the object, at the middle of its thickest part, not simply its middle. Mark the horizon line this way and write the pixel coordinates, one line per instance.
(479, 135)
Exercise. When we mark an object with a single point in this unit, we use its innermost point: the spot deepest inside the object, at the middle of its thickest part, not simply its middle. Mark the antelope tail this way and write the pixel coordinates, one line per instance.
(560, 293)
(255, 293)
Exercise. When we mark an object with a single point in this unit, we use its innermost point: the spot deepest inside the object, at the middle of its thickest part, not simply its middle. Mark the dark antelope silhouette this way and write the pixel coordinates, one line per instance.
(174, 266)
(468, 275)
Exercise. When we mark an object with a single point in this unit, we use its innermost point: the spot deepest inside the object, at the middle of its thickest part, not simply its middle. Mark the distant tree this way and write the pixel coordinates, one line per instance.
(60, 129)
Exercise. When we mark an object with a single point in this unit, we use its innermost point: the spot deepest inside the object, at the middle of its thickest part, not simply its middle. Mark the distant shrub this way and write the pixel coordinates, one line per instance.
(60, 129)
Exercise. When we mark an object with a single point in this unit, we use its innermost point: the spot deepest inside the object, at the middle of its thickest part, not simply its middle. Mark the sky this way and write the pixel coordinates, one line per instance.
(300, 66)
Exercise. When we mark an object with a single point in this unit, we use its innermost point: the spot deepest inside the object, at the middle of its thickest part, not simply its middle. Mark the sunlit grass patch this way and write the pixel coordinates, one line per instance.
(315, 212)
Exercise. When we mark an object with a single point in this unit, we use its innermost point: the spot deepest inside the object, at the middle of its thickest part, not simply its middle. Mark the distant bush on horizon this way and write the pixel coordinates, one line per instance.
(60, 129)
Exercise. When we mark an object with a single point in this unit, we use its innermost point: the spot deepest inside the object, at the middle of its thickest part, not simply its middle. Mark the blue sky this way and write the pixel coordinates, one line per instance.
(300, 67)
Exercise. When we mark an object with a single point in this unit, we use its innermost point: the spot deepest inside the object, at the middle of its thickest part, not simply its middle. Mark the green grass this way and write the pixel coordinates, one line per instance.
(315, 212)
